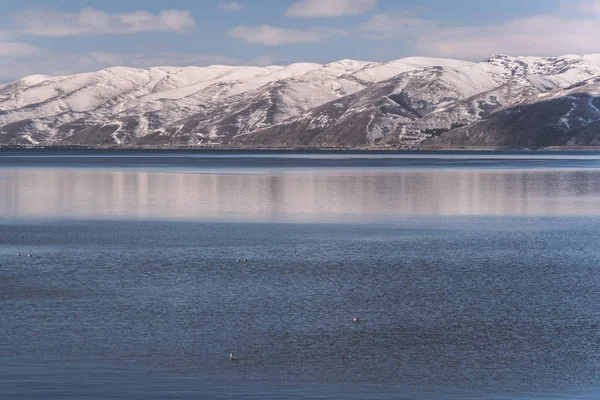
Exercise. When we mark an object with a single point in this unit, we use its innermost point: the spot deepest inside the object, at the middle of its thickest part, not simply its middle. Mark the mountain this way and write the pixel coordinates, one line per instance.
(52, 109)
(502, 102)
(378, 113)
(563, 117)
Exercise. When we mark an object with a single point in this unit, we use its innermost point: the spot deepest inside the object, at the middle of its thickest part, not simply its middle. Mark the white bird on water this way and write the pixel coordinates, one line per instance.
(232, 357)
(356, 319)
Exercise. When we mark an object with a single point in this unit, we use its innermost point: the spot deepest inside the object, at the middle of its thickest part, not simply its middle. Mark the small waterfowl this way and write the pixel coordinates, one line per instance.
(356, 320)
(18, 254)
(29, 255)
(233, 357)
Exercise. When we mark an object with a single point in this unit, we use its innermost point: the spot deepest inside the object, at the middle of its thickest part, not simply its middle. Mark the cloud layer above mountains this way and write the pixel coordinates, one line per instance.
(252, 32)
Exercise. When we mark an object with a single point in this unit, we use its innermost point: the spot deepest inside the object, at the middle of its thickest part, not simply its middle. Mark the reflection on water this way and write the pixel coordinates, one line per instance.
(295, 195)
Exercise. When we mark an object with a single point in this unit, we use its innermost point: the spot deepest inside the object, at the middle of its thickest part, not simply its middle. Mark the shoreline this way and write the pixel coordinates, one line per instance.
(375, 149)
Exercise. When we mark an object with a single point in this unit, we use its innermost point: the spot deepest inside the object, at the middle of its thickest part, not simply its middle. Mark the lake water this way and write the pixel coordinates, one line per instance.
(474, 275)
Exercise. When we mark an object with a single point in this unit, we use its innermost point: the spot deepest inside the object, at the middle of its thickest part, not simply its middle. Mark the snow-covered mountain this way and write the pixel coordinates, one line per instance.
(405, 103)
(562, 117)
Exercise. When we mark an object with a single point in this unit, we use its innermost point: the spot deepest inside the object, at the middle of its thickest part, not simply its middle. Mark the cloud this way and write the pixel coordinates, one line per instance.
(39, 61)
(90, 21)
(264, 61)
(394, 26)
(141, 60)
(549, 34)
(6, 36)
(590, 6)
(18, 50)
(273, 36)
(231, 6)
(329, 8)
(542, 35)
(335, 32)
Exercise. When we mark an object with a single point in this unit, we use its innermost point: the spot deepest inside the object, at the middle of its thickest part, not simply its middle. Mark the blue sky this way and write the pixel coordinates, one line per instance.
(61, 36)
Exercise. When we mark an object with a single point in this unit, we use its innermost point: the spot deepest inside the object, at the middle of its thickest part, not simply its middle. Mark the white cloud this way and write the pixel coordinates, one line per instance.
(395, 26)
(231, 6)
(329, 8)
(141, 60)
(590, 6)
(18, 50)
(6, 36)
(50, 63)
(541, 35)
(264, 61)
(90, 21)
(273, 36)
(336, 32)
(20, 59)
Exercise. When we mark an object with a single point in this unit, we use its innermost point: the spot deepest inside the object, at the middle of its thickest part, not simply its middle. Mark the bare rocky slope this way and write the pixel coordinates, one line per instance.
(502, 102)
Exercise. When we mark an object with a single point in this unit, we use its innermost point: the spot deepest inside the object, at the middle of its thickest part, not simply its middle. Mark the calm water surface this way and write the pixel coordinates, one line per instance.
(474, 275)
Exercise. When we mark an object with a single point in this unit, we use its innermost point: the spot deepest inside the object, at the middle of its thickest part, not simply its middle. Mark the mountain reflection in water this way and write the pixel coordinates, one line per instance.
(295, 195)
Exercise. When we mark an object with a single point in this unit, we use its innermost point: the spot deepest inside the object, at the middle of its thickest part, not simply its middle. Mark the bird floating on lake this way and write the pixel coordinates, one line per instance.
(233, 357)
(356, 320)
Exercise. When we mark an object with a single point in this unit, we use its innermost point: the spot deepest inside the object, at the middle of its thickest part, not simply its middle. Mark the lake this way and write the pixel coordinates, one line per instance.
(474, 275)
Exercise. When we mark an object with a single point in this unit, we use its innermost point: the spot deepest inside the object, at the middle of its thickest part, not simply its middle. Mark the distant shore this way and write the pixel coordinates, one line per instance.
(295, 149)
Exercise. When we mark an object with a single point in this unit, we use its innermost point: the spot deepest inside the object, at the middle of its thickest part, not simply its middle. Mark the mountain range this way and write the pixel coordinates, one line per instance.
(503, 102)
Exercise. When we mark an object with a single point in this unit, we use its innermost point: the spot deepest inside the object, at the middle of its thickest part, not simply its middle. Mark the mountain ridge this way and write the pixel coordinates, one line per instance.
(411, 103)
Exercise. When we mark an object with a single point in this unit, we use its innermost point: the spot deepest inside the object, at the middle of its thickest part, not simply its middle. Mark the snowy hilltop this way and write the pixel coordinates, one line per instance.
(502, 102)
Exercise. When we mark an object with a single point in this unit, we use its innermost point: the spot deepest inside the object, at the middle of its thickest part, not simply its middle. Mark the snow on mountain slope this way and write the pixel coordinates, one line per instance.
(589, 87)
(271, 104)
(401, 103)
(14, 87)
(173, 98)
(429, 105)
(526, 77)
(226, 82)
(563, 117)
(377, 72)
(111, 92)
(461, 113)
(219, 112)
(373, 114)
(79, 92)
(195, 95)
(559, 71)
(85, 92)
(342, 67)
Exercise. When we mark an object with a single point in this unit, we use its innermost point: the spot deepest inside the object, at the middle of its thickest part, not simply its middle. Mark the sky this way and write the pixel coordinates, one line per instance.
(59, 37)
